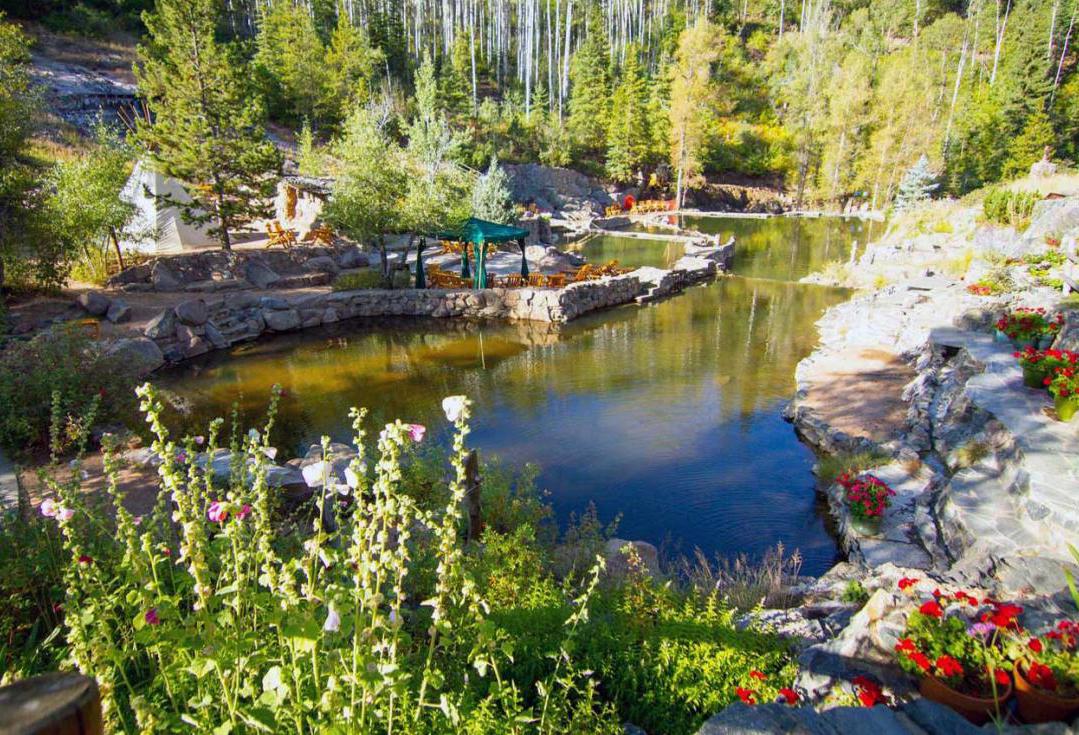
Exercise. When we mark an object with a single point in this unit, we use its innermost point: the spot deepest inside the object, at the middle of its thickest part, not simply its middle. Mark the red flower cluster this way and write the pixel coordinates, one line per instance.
(746, 695)
(1066, 633)
(1026, 323)
(948, 666)
(868, 691)
(907, 582)
(1003, 615)
(1041, 676)
(867, 496)
(980, 289)
(931, 608)
(789, 695)
(967, 598)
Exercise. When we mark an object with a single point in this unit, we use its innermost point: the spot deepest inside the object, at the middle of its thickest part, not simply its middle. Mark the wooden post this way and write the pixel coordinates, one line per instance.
(472, 496)
(52, 704)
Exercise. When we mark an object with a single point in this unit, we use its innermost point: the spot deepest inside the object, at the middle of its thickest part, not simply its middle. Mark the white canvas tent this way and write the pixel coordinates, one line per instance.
(157, 226)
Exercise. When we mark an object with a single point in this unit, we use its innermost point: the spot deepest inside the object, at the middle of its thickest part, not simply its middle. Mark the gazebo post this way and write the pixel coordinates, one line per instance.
(480, 280)
(524, 260)
(421, 281)
(465, 273)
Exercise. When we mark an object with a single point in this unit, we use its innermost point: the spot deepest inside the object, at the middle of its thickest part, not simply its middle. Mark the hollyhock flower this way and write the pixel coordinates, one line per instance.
(64, 513)
(789, 695)
(253, 434)
(454, 407)
(244, 512)
(200, 440)
(949, 666)
(217, 512)
(1034, 645)
(181, 456)
(746, 695)
(352, 477)
(152, 617)
(333, 621)
(86, 560)
(416, 432)
(342, 488)
(166, 551)
(137, 520)
(758, 675)
(313, 474)
(931, 608)
(48, 508)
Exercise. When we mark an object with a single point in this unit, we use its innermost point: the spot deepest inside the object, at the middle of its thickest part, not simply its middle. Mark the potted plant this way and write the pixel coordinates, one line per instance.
(1064, 387)
(1047, 673)
(867, 498)
(1030, 327)
(957, 659)
(1041, 364)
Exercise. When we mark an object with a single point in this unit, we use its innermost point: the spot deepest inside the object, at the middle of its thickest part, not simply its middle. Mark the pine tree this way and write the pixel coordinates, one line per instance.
(589, 95)
(918, 183)
(289, 59)
(207, 128)
(1029, 146)
(351, 66)
(491, 199)
(628, 136)
(1025, 81)
(453, 82)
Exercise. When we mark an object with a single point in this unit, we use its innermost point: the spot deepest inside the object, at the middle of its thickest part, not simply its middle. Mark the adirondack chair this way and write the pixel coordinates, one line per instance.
(278, 235)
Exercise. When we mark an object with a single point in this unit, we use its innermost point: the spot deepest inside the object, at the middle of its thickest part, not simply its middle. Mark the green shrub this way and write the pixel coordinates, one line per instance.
(66, 362)
(370, 278)
(832, 466)
(1007, 207)
(854, 593)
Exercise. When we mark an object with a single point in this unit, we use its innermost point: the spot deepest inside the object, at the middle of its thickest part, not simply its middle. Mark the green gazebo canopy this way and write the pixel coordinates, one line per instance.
(482, 231)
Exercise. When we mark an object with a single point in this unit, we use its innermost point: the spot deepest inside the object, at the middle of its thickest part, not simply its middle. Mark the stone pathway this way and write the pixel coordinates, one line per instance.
(1041, 490)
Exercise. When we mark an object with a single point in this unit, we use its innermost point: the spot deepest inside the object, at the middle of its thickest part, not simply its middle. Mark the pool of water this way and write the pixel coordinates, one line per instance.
(669, 415)
(630, 251)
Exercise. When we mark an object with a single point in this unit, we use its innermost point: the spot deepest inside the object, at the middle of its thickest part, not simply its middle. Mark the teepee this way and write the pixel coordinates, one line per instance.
(157, 226)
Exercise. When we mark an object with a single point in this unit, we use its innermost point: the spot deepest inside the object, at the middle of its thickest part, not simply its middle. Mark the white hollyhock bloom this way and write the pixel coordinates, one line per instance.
(333, 622)
(352, 477)
(454, 406)
(49, 508)
(270, 452)
(313, 474)
(342, 489)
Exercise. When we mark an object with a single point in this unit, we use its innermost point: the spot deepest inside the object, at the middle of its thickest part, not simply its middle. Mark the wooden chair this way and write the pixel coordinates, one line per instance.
(556, 280)
(319, 236)
(278, 235)
(513, 280)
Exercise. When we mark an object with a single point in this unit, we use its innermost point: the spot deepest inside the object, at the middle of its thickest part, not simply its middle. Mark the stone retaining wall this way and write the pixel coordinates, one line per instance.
(198, 325)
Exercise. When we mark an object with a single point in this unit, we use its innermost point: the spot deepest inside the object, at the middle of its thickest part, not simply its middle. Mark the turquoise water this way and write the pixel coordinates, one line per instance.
(669, 415)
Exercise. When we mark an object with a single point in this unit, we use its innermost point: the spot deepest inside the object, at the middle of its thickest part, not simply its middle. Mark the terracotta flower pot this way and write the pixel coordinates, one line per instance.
(976, 709)
(1066, 407)
(1037, 705)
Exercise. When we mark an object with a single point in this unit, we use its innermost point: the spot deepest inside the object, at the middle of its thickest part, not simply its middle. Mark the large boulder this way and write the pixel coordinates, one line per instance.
(140, 352)
(260, 275)
(119, 311)
(94, 303)
(161, 326)
(618, 553)
(321, 264)
(281, 320)
(163, 277)
(193, 312)
(352, 257)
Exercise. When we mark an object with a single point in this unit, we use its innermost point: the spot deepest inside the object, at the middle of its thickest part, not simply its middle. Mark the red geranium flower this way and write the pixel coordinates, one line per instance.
(789, 695)
(1034, 645)
(931, 608)
(1041, 676)
(758, 675)
(868, 691)
(921, 660)
(948, 666)
(906, 582)
(746, 695)
(1002, 677)
(1004, 615)
(905, 645)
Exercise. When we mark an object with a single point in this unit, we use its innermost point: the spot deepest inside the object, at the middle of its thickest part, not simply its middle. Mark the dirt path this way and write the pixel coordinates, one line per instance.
(859, 391)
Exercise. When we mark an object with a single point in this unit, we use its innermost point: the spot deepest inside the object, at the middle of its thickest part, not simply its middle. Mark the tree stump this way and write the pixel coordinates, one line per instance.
(52, 704)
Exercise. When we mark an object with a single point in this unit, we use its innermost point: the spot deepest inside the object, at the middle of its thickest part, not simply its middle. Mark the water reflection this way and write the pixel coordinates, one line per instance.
(668, 414)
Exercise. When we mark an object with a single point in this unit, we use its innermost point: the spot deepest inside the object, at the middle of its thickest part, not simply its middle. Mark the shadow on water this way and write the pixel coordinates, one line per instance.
(669, 414)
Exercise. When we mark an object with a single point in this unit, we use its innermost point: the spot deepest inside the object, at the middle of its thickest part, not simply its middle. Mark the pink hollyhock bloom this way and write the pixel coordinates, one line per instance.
(417, 432)
(64, 514)
(151, 617)
(49, 508)
(137, 520)
(245, 511)
(333, 622)
(86, 560)
(200, 440)
(217, 512)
